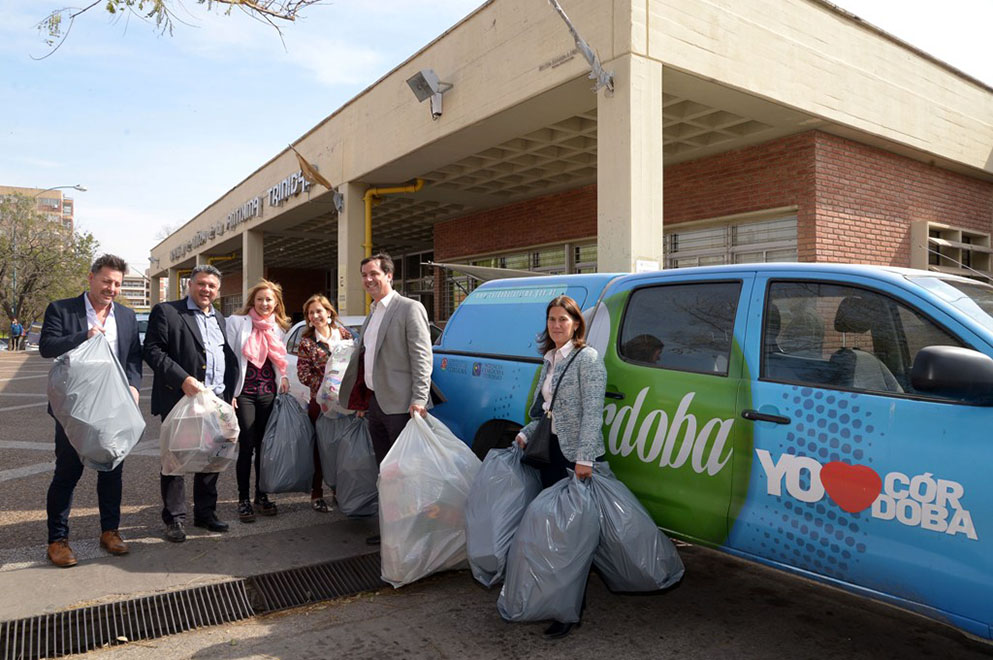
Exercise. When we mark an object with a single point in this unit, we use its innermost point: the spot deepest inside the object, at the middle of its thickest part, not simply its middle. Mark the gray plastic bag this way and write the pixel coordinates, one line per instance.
(633, 553)
(358, 471)
(287, 448)
(550, 556)
(89, 395)
(329, 431)
(500, 494)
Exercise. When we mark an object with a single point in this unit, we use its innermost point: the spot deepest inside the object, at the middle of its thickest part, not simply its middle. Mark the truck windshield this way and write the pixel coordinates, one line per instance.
(973, 299)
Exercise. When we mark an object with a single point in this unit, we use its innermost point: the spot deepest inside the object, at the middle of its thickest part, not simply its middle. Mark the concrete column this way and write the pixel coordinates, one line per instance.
(174, 284)
(629, 167)
(154, 285)
(203, 258)
(351, 233)
(251, 260)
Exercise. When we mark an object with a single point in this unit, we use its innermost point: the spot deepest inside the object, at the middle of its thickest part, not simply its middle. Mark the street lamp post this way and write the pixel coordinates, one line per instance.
(13, 240)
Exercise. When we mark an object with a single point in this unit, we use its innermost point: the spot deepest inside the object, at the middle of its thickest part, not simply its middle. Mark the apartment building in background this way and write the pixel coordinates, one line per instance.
(53, 204)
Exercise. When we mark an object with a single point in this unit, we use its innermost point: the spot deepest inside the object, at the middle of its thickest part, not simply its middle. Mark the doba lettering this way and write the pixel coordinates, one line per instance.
(669, 442)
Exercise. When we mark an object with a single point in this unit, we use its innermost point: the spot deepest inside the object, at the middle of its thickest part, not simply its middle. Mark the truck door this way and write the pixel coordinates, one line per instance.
(673, 372)
(855, 476)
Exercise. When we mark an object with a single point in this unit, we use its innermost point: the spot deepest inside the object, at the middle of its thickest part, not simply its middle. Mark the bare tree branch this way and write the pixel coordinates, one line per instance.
(57, 24)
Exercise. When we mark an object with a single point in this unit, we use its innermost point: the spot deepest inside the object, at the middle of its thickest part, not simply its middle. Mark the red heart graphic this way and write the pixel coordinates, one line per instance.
(852, 487)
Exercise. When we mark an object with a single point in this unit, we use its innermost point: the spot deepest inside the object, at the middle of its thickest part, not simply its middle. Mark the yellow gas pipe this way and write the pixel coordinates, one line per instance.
(371, 195)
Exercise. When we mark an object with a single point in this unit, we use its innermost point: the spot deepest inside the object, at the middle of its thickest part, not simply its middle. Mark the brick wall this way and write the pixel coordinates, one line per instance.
(298, 285)
(770, 175)
(867, 198)
(855, 203)
(550, 219)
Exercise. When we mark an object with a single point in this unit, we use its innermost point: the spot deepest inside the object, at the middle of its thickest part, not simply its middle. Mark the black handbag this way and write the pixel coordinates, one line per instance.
(538, 450)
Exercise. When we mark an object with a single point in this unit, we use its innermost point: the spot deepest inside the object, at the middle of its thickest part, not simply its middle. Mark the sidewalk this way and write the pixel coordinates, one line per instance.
(296, 537)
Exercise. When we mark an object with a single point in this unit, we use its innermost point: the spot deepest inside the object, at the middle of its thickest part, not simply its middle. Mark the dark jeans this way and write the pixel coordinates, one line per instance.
(68, 470)
(253, 416)
(384, 428)
(317, 485)
(173, 490)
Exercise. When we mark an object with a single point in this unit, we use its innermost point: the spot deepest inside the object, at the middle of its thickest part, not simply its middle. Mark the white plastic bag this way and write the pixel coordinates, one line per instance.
(89, 394)
(334, 371)
(200, 434)
(424, 482)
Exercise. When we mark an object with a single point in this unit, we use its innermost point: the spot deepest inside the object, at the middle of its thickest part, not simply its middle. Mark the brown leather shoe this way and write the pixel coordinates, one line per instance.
(60, 554)
(112, 543)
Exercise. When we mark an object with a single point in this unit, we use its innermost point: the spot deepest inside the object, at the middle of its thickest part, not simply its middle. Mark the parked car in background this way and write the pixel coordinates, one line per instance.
(33, 335)
(142, 319)
(293, 336)
(352, 322)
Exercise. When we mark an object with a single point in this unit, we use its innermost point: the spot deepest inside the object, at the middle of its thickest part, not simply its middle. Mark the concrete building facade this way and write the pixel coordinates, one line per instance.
(760, 130)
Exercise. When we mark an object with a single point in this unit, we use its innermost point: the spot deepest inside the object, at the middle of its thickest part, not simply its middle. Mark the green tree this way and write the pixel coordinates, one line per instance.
(40, 259)
(57, 24)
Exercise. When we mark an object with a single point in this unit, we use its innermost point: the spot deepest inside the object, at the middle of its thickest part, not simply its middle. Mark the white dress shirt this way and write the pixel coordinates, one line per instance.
(109, 325)
(370, 339)
(553, 356)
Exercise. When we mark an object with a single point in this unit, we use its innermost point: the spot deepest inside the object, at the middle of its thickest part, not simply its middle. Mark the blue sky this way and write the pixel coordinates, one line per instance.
(158, 127)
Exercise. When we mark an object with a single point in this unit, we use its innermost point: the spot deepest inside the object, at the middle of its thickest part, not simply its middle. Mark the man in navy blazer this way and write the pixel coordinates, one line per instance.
(68, 323)
(186, 348)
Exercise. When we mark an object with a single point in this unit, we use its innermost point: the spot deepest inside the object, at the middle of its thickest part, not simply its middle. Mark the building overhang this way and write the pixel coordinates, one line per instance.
(521, 119)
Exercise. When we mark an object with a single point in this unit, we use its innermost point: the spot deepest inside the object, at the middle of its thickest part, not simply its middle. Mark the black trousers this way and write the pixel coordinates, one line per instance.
(317, 484)
(173, 490)
(253, 416)
(68, 470)
(384, 429)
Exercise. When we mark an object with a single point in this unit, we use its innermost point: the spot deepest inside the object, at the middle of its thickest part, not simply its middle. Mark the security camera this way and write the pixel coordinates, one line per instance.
(435, 106)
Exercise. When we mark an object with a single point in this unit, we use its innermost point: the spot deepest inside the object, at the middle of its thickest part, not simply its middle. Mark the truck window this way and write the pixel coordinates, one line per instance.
(685, 327)
(843, 337)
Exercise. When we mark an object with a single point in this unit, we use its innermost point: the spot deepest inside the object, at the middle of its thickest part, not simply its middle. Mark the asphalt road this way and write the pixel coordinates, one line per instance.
(725, 608)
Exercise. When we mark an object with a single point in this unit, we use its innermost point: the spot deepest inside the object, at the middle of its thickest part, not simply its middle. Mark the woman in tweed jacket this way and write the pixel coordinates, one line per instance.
(578, 413)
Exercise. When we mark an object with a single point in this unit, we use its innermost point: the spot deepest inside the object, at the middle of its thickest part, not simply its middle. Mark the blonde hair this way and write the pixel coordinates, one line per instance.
(277, 291)
(308, 330)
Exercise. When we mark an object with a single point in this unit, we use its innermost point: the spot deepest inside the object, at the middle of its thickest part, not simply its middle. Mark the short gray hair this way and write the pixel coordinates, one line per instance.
(205, 268)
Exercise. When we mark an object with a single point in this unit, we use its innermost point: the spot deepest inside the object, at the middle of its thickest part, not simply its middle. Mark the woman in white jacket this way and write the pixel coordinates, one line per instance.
(256, 336)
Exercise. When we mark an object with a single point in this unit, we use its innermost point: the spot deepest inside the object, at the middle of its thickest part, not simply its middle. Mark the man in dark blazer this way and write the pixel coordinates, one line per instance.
(68, 323)
(186, 348)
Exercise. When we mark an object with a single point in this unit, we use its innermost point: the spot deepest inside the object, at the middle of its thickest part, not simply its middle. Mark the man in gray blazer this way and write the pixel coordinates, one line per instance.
(390, 375)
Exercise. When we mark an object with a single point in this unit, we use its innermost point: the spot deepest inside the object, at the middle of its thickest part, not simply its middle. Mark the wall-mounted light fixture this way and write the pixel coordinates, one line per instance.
(425, 85)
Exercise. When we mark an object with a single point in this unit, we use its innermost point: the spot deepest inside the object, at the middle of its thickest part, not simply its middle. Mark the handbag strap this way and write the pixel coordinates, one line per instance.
(567, 365)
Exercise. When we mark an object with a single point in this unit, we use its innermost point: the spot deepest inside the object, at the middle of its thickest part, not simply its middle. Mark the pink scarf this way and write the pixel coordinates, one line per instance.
(264, 344)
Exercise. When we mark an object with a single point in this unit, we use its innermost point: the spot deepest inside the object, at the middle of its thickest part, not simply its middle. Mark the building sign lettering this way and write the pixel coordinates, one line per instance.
(276, 196)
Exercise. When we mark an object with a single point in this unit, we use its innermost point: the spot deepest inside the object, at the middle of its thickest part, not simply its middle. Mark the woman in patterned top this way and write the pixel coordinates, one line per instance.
(256, 337)
(322, 332)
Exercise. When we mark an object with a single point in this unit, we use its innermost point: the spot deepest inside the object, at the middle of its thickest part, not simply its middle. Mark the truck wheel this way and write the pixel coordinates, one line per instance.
(494, 434)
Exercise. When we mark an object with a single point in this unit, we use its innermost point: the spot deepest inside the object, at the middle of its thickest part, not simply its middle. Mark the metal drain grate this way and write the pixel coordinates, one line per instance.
(310, 584)
(87, 628)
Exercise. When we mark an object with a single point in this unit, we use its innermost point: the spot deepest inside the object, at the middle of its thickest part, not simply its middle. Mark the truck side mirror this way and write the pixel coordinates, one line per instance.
(951, 371)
